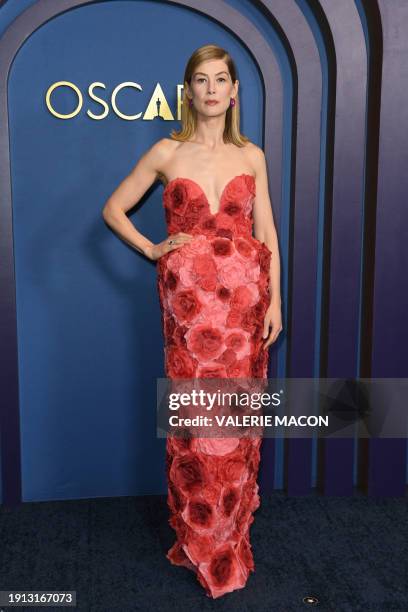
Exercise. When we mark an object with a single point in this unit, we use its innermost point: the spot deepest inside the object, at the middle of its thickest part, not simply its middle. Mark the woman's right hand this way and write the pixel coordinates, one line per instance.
(176, 240)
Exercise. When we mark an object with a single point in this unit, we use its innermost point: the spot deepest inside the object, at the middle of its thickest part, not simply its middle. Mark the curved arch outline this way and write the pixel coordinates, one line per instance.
(20, 29)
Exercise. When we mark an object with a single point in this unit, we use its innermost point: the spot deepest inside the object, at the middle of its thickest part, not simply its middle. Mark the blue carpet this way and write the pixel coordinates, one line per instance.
(350, 553)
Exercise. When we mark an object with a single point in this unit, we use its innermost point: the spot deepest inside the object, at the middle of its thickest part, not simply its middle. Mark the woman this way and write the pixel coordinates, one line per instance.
(219, 291)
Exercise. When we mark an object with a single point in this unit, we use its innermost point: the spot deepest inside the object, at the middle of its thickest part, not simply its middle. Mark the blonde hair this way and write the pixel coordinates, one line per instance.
(188, 114)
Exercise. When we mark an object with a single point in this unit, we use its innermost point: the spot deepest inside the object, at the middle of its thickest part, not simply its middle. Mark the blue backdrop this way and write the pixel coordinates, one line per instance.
(89, 332)
(81, 348)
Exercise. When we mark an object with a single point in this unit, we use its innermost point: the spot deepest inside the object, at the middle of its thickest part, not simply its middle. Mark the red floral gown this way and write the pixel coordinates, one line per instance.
(214, 292)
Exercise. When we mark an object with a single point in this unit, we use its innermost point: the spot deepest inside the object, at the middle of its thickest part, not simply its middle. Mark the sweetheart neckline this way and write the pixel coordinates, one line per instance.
(185, 178)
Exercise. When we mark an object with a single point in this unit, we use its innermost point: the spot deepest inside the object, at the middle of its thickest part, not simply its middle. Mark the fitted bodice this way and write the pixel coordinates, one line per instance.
(187, 208)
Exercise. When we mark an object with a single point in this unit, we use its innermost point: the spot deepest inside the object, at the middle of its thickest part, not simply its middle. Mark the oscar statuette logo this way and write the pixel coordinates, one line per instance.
(157, 107)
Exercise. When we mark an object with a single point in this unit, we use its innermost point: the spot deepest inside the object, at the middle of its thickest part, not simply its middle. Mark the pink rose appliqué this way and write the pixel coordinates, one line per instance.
(230, 272)
(205, 341)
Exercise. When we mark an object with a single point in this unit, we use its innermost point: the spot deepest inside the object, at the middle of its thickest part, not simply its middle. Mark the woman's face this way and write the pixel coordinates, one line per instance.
(211, 81)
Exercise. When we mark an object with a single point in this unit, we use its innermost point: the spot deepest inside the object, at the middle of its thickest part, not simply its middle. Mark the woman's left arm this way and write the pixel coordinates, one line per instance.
(265, 231)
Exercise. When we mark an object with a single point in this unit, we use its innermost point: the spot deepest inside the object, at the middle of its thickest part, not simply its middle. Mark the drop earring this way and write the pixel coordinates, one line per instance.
(232, 101)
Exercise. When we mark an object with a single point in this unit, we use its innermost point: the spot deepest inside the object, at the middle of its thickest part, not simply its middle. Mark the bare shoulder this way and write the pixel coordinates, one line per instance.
(256, 158)
(158, 156)
(161, 150)
(255, 154)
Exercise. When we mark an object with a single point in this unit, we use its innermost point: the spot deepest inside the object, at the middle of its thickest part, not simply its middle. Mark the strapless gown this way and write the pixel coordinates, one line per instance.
(214, 293)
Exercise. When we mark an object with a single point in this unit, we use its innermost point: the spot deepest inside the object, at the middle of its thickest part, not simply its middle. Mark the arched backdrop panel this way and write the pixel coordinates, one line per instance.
(80, 324)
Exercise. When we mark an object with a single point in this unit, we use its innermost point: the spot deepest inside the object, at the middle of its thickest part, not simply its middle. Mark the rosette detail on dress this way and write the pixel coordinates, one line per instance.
(214, 293)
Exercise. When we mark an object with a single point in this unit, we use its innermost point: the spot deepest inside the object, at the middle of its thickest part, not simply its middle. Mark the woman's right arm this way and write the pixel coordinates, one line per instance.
(129, 192)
